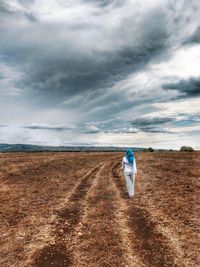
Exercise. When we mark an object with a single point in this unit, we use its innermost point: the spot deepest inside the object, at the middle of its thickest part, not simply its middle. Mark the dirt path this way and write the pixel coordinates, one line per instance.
(68, 218)
(33, 194)
(100, 226)
(150, 245)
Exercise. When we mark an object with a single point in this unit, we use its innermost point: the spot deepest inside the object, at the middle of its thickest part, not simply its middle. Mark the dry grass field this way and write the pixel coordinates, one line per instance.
(71, 209)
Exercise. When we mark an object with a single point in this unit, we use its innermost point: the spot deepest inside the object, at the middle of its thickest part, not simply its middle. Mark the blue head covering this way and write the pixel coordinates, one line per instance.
(130, 155)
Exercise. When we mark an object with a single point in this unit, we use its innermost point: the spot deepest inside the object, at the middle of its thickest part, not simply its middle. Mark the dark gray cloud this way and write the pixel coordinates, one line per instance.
(152, 124)
(66, 59)
(7, 10)
(194, 38)
(151, 121)
(107, 3)
(4, 9)
(186, 88)
(36, 126)
(54, 78)
(48, 127)
(56, 68)
(102, 3)
(153, 129)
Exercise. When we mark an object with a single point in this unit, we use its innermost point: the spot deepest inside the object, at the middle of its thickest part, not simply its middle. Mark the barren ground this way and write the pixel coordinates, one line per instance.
(71, 209)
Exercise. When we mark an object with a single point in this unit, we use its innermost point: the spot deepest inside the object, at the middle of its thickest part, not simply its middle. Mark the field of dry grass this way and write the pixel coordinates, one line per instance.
(71, 209)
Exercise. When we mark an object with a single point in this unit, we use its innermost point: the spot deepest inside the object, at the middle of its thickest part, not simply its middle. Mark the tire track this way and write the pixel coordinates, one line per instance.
(60, 253)
(98, 242)
(152, 247)
(130, 253)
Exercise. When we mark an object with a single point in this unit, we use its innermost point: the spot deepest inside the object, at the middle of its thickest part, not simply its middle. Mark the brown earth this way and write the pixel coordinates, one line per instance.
(72, 209)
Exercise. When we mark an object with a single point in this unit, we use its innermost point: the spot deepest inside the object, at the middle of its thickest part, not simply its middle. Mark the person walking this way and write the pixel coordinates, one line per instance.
(130, 169)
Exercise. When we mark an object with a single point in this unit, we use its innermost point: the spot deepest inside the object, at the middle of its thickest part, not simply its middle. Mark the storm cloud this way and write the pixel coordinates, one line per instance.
(187, 88)
(36, 126)
(194, 38)
(83, 56)
(152, 124)
(79, 69)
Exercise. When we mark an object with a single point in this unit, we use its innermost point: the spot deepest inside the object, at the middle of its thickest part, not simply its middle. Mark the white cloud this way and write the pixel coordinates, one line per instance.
(186, 106)
(184, 63)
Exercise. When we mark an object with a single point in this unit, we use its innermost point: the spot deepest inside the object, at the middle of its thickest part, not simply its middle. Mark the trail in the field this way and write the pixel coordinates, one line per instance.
(100, 226)
(150, 245)
(100, 242)
(35, 200)
(68, 218)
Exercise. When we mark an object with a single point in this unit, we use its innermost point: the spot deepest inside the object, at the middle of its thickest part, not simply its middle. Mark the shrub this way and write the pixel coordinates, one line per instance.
(187, 148)
(150, 149)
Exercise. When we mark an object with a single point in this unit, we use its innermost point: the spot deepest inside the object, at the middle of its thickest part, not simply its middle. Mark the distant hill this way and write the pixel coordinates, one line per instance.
(35, 148)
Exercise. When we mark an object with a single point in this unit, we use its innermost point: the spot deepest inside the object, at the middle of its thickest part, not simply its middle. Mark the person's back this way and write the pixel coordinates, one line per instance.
(130, 169)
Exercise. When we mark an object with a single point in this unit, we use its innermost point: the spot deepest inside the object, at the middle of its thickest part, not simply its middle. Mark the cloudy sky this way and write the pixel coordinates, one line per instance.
(101, 72)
